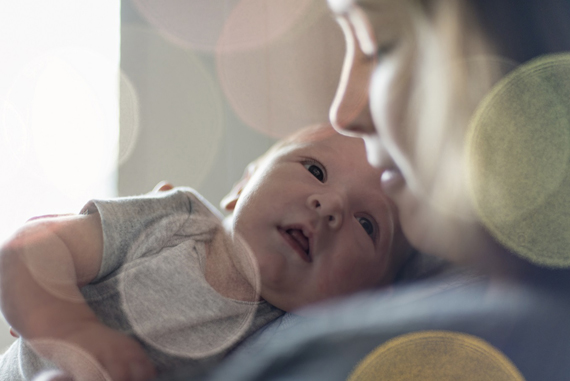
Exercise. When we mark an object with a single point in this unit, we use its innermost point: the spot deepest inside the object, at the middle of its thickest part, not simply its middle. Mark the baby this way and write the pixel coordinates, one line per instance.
(140, 285)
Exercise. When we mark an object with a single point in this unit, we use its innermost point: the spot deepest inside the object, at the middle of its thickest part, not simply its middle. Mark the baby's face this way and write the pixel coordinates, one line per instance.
(317, 221)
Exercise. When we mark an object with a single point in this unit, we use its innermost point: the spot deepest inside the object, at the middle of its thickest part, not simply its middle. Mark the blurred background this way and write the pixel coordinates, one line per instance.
(105, 98)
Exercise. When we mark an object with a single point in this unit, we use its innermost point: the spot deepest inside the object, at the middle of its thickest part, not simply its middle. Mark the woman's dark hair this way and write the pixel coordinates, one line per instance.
(524, 29)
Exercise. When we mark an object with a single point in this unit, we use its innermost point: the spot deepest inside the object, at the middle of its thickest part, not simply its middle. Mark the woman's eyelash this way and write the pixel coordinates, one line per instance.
(316, 169)
(380, 53)
(385, 49)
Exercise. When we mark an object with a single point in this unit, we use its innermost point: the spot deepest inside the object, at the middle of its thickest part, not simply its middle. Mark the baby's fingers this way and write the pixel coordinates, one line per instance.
(48, 216)
(53, 375)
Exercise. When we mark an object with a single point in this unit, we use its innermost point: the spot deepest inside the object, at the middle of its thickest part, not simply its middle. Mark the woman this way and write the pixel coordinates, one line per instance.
(429, 67)
(432, 86)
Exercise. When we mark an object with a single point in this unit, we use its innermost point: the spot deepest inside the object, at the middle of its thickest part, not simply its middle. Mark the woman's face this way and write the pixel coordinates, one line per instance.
(379, 49)
(383, 89)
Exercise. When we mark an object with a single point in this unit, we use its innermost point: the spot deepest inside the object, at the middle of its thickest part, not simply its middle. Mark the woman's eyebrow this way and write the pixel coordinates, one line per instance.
(371, 5)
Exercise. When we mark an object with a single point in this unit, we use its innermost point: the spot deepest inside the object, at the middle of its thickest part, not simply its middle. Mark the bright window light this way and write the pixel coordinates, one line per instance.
(59, 106)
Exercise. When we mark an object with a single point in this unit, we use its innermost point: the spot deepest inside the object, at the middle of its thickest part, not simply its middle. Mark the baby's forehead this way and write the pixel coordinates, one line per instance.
(342, 156)
(325, 144)
(312, 138)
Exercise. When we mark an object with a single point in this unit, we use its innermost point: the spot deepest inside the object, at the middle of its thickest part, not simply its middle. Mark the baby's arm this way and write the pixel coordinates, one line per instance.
(41, 269)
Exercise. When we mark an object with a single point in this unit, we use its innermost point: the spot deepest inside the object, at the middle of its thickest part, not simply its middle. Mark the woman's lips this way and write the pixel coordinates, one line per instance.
(298, 242)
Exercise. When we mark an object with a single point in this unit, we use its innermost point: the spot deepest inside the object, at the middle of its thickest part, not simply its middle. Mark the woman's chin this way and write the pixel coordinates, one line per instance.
(431, 231)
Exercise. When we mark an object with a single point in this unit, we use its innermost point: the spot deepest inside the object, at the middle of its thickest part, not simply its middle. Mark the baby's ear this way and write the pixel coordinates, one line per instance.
(229, 201)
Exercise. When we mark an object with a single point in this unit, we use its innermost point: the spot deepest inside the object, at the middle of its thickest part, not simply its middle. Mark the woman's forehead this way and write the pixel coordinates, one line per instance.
(386, 20)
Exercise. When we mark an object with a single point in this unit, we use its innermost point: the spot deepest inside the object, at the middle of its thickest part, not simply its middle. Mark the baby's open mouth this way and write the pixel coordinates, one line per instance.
(299, 237)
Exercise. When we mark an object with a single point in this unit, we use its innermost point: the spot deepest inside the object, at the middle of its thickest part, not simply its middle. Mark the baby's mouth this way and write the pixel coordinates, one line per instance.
(300, 238)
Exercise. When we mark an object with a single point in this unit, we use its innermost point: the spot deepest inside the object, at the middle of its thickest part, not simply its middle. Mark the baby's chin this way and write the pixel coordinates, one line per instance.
(290, 302)
(314, 306)
(306, 305)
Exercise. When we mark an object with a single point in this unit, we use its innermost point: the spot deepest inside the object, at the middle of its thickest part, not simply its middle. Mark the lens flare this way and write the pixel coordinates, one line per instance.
(278, 87)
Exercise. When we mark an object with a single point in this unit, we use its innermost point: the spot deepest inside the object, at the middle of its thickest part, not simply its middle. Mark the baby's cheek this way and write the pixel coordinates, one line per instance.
(271, 269)
(331, 282)
(350, 277)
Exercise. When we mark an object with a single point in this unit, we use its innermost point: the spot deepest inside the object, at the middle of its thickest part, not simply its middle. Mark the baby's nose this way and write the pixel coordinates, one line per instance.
(329, 207)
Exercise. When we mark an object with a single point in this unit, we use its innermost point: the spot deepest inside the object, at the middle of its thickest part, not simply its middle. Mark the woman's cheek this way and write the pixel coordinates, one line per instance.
(380, 96)
(389, 101)
(414, 220)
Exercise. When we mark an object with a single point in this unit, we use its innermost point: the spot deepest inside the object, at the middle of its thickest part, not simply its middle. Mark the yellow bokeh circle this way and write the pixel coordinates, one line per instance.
(436, 356)
(518, 154)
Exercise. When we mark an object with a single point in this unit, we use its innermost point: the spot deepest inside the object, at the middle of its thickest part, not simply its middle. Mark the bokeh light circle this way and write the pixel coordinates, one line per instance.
(55, 272)
(518, 153)
(430, 151)
(282, 84)
(198, 24)
(256, 23)
(128, 118)
(194, 24)
(436, 356)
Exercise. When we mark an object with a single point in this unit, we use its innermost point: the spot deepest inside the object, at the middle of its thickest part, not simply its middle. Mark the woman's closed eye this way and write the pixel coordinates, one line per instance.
(316, 169)
(385, 49)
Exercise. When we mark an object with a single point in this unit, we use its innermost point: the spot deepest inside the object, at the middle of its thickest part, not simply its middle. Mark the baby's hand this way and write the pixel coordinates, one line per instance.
(53, 375)
(93, 351)
(162, 186)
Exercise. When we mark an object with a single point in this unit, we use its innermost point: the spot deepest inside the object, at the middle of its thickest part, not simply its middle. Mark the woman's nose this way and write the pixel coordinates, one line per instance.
(329, 208)
(350, 112)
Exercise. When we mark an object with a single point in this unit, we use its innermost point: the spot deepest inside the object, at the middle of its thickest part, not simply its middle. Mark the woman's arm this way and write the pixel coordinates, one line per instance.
(42, 268)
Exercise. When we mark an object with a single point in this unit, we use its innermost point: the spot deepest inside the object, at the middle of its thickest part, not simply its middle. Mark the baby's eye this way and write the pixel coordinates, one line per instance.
(367, 225)
(316, 169)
